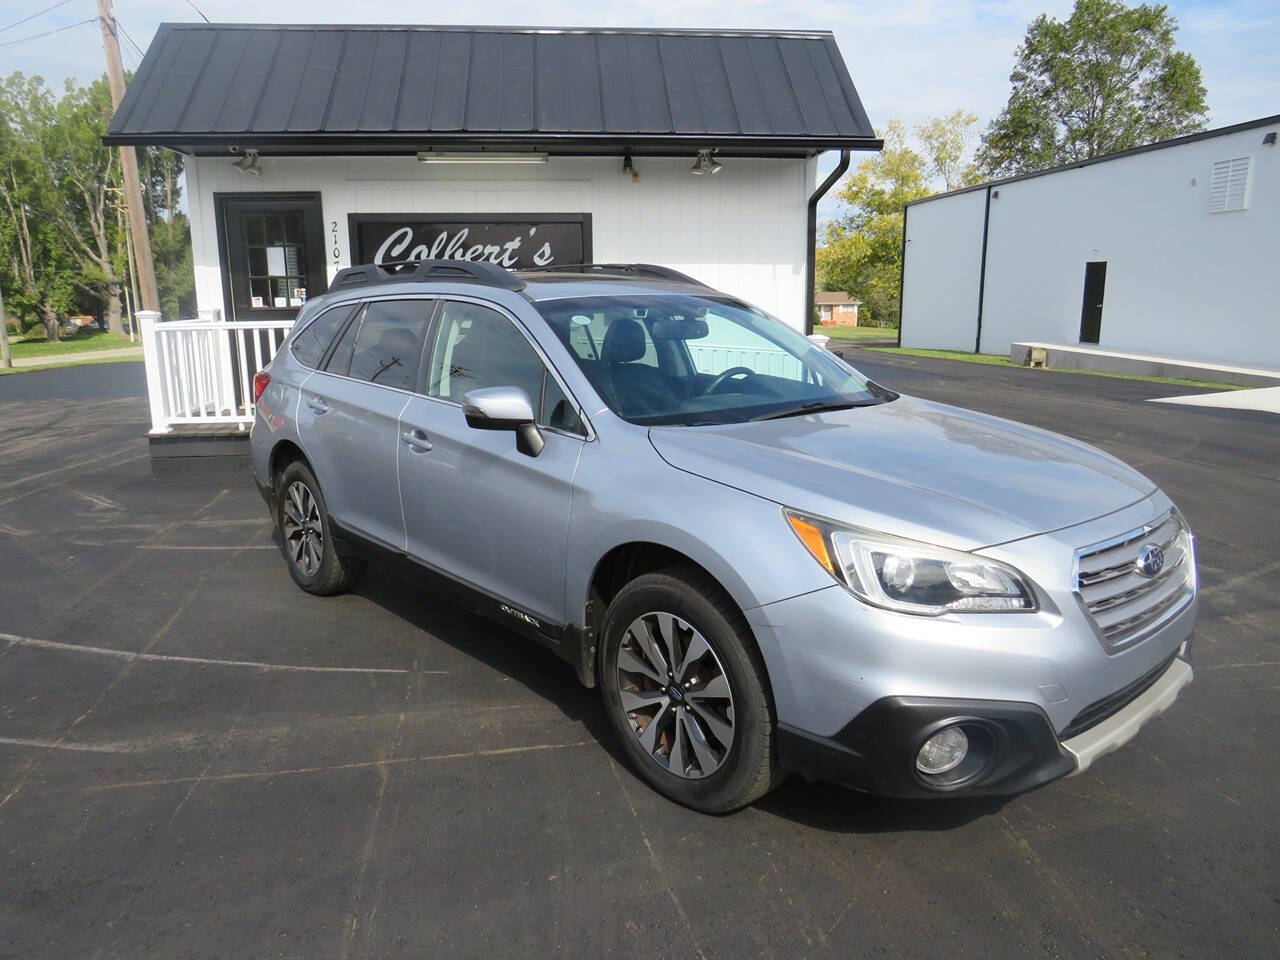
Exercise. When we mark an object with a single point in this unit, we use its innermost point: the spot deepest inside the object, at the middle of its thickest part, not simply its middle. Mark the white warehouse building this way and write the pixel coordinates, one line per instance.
(1165, 251)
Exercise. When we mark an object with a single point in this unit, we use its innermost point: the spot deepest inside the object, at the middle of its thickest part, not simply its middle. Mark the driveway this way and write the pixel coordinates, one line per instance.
(197, 759)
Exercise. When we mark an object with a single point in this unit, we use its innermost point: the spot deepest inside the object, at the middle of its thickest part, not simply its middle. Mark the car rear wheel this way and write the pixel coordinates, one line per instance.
(305, 538)
(686, 691)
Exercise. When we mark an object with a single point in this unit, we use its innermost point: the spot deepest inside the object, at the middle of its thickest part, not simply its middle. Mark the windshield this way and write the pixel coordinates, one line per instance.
(670, 359)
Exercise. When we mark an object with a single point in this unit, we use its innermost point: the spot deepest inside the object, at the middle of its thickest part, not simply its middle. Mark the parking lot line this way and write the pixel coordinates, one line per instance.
(202, 661)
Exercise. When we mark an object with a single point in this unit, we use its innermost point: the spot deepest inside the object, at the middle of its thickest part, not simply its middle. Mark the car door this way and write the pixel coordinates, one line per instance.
(475, 507)
(349, 415)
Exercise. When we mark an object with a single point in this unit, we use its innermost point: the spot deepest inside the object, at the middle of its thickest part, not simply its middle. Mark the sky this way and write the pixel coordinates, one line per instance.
(911, 59)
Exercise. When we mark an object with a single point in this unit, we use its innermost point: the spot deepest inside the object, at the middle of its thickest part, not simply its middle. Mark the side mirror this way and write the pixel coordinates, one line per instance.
(504, 408)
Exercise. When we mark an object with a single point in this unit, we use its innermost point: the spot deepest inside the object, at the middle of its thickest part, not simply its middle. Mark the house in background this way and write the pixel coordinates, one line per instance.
(1164, 252)
(836, 307)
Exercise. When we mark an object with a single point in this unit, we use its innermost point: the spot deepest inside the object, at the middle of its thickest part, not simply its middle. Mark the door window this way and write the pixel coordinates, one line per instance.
(309, 345)
(388, 348)
(277, 260)
(478, 347)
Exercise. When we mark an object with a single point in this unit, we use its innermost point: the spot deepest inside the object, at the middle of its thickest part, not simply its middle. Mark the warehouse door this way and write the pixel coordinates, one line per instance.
(1095, 281)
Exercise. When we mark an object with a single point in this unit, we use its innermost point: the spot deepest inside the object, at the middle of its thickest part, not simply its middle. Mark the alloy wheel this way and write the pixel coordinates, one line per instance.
(675, 695)
(303, 531)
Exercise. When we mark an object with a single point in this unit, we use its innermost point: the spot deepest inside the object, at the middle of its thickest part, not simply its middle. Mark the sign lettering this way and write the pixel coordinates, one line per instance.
(511, 242)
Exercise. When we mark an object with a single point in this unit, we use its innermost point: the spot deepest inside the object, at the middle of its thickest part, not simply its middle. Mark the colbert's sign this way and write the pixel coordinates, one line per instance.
(514, 242)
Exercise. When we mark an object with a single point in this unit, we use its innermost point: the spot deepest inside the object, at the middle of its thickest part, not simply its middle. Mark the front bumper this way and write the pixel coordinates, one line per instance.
(1013, 746)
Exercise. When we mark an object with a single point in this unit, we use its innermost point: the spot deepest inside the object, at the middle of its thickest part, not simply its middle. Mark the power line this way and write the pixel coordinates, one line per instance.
(37, 36)
(132, 42)
(40, 13)
(197, 10)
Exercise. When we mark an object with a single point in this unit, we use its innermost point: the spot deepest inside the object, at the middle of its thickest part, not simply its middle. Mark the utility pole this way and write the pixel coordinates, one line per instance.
(129, 163)
(6, 355)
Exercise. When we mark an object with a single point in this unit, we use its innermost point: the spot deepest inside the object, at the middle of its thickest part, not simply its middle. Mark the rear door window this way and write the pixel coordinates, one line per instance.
(388, 347)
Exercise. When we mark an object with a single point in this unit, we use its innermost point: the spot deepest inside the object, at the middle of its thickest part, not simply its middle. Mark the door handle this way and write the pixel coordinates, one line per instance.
(317, 405)
(417, 440)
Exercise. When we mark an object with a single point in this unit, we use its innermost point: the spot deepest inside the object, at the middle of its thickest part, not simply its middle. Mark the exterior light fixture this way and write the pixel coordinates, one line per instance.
(249, 163)
(629, 167)
(448, 156)
(705, 164)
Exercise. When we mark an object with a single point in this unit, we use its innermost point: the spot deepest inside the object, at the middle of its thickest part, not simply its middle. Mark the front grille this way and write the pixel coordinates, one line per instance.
(1125, 605)
(1109, 706)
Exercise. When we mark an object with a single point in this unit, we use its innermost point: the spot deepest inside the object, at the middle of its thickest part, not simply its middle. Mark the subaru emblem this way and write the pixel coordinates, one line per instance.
(1150, 560)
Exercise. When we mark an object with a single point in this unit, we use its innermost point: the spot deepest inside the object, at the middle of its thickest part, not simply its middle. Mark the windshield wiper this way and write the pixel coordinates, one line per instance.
(815, 406)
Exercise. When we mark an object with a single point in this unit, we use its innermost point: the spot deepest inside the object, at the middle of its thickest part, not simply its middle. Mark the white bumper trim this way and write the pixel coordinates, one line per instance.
(1119, 729)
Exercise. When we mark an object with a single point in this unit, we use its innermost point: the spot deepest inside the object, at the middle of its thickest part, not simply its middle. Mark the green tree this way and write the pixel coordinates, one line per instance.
(946, 143)
(862, 249)
(36, 272)
(62, 236)
(82, 191)
(1107, 78)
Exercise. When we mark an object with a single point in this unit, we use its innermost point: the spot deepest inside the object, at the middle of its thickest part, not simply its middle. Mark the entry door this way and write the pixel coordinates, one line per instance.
(475, 507)
(1095, 282)
(272, 250)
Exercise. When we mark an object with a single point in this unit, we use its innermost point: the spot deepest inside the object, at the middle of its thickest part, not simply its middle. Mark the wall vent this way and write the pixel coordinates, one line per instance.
(1228, 189)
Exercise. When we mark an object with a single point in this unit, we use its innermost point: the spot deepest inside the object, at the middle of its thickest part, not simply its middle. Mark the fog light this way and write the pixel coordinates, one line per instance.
(944, 751)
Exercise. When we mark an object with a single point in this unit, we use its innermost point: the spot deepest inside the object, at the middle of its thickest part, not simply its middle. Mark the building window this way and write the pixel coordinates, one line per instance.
(277, 267)
(1228, 190)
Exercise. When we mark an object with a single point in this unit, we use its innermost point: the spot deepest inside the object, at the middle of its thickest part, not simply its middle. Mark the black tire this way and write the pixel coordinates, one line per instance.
(749, 767)
(330, 573)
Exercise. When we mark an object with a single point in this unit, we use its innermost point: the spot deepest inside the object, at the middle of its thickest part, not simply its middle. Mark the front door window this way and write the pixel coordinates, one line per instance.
(277, 260)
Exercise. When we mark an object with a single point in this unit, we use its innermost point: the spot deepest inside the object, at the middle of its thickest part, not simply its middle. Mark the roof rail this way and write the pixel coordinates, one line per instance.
(620, 269)
(467, 271)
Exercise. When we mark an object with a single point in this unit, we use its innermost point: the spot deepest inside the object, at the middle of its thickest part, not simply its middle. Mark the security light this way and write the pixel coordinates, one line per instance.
(249, 163)
(705, 164)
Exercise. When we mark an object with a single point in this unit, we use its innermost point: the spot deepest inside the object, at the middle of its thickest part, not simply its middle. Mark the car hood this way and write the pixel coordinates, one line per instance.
(914, 468)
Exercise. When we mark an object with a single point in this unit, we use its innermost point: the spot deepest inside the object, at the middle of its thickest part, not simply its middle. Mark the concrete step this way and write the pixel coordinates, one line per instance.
(1061, 356)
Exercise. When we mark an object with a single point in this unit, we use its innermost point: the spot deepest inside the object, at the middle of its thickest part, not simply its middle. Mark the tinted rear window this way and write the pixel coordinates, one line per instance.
(389, 346)
(309, 346)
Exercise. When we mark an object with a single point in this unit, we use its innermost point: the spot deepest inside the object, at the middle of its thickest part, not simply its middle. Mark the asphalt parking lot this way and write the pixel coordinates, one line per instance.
(197, 759)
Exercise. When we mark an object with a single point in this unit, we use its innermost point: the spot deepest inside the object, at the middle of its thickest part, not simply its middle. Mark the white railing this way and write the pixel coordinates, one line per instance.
(201, 371)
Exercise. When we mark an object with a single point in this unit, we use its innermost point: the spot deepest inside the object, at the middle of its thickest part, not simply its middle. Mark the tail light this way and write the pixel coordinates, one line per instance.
(260, 381)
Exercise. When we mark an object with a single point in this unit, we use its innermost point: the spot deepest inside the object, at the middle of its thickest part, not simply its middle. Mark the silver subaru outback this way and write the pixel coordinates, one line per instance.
(766, 562)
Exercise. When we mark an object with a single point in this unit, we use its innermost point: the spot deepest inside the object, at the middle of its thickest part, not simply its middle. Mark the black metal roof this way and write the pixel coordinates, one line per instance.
(203, 88)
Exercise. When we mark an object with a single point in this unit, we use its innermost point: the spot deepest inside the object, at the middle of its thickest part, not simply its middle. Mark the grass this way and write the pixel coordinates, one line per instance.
(1000, 360)
(82, 341)
(838, 332)
(5, 371)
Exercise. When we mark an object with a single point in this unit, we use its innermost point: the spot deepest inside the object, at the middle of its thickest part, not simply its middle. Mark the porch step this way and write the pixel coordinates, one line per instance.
(204, 447)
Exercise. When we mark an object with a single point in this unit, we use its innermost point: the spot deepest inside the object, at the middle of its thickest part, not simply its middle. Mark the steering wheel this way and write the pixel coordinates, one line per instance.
(731, 372)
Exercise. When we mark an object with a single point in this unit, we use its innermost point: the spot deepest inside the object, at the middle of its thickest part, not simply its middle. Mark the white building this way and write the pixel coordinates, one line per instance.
(1168, 250)
(525, 146)
(312, 148)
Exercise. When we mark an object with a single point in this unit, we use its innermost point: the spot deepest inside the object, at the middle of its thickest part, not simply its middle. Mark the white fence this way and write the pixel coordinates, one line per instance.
(201, 371)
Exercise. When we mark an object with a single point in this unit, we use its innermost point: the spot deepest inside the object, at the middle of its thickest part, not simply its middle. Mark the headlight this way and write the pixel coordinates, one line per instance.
(911, 577)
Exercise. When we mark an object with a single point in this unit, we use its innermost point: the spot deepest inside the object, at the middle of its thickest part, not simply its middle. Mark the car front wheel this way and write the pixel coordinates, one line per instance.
(686, 691)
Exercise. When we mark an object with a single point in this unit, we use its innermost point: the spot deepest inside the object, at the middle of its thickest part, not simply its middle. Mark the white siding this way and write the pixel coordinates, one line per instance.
(742, 231)
(940, 274)
(1181, 282)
